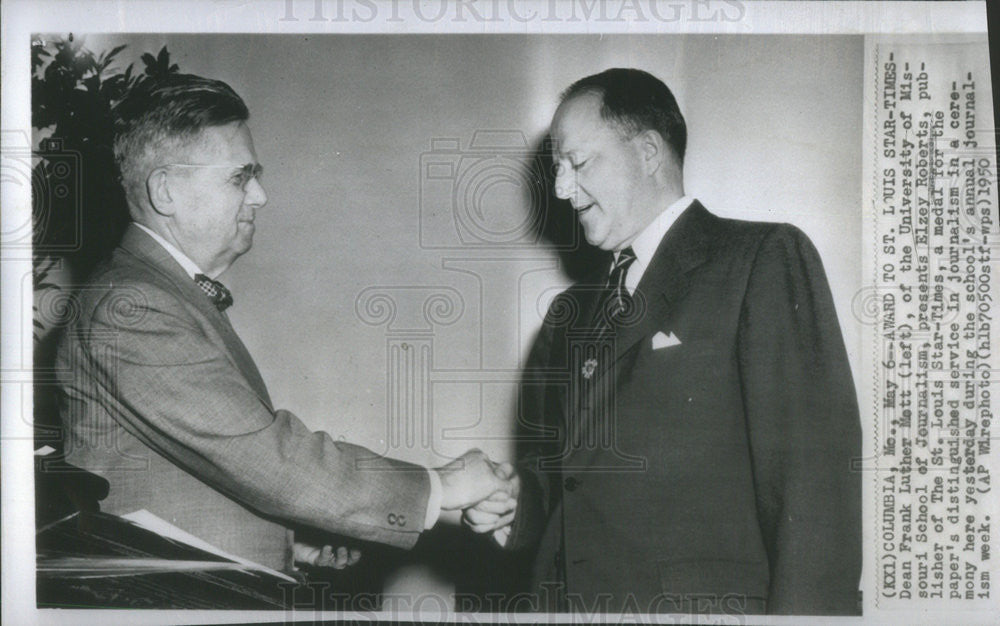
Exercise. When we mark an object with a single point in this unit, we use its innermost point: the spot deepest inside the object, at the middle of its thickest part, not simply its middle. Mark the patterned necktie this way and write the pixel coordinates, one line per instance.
(617, 301)
(215, 291)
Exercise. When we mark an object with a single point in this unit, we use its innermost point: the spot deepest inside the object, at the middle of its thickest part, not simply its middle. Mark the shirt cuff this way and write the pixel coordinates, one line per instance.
(433, 500)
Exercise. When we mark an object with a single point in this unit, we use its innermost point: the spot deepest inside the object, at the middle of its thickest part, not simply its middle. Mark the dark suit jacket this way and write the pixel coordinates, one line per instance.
(161, 398)
(710, 475)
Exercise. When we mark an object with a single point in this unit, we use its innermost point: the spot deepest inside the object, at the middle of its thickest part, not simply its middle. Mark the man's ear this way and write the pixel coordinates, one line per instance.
(158, 192)
(653, 150)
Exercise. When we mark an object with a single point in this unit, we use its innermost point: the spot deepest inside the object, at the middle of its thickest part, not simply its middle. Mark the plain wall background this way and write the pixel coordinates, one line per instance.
(341, 123)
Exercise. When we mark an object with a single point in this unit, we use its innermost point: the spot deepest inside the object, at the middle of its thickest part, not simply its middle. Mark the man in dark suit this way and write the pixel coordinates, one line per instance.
(162, 398)
(689, 411)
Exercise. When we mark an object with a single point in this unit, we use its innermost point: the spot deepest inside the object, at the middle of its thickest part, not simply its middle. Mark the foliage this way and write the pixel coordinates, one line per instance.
(80, 209)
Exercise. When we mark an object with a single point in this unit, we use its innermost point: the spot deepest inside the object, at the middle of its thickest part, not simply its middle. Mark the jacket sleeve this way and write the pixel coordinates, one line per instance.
(804, 429)
(538, 442)
(178, 391)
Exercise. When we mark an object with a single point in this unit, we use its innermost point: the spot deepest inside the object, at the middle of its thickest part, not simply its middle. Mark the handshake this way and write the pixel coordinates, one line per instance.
(485, 491)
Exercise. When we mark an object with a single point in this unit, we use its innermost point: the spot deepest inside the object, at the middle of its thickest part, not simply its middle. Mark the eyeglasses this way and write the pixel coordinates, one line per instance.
(241, 178)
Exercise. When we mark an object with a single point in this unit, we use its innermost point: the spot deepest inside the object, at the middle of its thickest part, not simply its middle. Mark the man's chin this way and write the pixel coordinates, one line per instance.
(245, 241)
(594, 241)
(592, 231)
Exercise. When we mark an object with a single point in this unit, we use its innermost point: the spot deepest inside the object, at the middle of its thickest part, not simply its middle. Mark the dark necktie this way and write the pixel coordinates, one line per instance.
(215, 291)
(616, 302)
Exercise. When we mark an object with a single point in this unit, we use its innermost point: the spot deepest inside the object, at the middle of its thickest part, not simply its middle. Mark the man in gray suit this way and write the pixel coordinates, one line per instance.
(164, 400)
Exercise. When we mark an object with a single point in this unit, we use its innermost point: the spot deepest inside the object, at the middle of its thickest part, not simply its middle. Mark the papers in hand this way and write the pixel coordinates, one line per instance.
(164, 528)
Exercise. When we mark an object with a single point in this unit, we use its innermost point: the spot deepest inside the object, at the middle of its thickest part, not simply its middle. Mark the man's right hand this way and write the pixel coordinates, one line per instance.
(495, 514)
(470, 479)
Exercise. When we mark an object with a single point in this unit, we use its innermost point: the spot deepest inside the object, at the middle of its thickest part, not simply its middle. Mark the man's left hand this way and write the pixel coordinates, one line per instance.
(326, 556)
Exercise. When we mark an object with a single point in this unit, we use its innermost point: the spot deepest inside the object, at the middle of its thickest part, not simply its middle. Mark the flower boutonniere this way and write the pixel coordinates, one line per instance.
(588, 368)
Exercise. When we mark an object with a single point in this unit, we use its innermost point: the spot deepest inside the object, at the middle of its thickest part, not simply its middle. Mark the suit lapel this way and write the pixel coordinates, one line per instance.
(141, 245)
(667, 279)
(664, 284)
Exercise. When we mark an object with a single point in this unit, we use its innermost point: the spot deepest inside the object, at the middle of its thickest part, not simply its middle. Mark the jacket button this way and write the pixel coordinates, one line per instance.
(402, 521)
(571, 483)
(392, 519)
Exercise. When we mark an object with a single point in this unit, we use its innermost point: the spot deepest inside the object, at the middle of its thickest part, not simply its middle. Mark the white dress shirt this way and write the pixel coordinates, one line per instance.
(433, 500)
(646, 243)
(189, 266)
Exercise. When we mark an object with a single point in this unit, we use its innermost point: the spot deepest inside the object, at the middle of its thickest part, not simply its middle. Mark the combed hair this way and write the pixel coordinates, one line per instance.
(634, 101)
(162, 113)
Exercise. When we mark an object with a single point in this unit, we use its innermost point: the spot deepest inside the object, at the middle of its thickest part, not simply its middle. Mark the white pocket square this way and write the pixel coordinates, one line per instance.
(661, 340)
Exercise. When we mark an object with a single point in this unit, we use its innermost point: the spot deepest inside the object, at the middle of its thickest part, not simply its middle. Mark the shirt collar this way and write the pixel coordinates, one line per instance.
(645, 244)
(189, 266)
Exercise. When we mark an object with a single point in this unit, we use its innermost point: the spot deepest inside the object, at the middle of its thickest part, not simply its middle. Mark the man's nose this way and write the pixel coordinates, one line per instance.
(565, 186)
(256, 195)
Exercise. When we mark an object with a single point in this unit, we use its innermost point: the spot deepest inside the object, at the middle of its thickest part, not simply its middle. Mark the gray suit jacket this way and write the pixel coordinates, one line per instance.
(161, 398)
